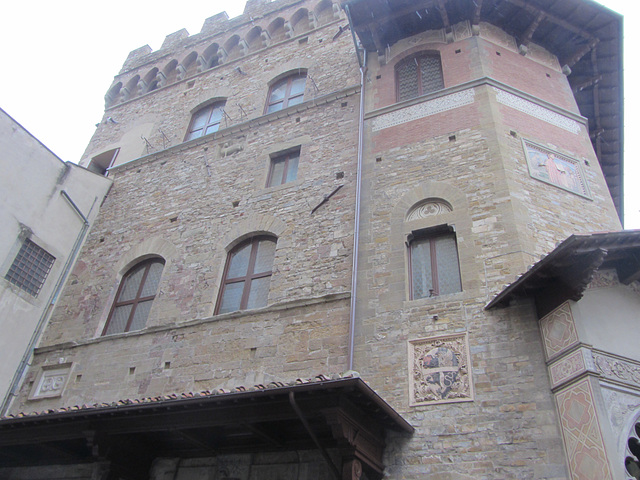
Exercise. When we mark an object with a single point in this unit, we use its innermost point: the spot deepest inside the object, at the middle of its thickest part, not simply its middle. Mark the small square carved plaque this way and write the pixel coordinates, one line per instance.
(51, 382)
(440, 370)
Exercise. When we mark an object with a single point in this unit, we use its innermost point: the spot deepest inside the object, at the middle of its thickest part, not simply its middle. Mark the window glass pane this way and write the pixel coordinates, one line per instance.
(275, 107)
(259, 292)
(431, 72)
(297, 86)
(231, 297)
(264, 258)
(140, 315)
(239, 262)
(212, 129)
(447, 261)
(194, 134)
(200, 118)
(408, 80)
(295, 100)
(153, 279)
(278, 92)
(277, 169)
(421, 274)
(292, 170)
(216, 115)
(118, 321)
(131, 284)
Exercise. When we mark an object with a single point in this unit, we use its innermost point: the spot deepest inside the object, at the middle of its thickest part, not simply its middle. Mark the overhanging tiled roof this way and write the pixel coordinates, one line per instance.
(261, 418)
(583, 34)
(566, 271)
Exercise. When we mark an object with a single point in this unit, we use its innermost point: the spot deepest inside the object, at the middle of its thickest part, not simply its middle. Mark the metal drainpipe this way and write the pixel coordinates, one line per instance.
(356, 228)
(12, 393)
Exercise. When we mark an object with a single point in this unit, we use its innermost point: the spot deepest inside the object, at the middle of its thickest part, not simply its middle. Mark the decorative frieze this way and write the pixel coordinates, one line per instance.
(616, 369)
(558, 331)
(424, 109)
(537, 111)
(440, 370)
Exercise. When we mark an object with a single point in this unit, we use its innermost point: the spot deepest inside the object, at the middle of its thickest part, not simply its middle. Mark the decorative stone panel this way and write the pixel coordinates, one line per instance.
(424, 109)
(537, 111)
(428, 208)
(440, 370)
(50, 382)
(558, 331)
(555, 168)
(569, 367)
(604, 279)
(618, 370)
(581, 433)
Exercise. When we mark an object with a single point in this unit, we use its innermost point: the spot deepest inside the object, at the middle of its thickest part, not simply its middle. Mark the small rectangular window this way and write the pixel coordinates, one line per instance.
(434, 266)
(30, 268)
(283, 168)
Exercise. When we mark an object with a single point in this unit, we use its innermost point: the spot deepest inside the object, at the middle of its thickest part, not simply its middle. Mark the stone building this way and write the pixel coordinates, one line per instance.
(300, 269)
(48, 206)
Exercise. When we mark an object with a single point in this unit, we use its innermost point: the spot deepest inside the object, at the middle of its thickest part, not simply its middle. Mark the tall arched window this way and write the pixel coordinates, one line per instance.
(418, 74)
(135, 296)
(247, 275)
(206, 120)
(286, 92)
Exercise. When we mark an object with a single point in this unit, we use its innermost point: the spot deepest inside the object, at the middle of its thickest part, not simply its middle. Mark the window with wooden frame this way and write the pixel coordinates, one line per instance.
(418, 75)
(247, 275)
(286, 92)
(434, 268)
(30, 268)
(283, 168)
(206, 120)
(135, 296)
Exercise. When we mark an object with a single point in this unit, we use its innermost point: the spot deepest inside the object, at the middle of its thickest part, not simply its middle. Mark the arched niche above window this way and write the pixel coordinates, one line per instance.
(429, 208)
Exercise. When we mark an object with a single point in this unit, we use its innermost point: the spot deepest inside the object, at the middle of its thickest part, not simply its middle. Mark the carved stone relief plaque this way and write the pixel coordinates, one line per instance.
(440, 370)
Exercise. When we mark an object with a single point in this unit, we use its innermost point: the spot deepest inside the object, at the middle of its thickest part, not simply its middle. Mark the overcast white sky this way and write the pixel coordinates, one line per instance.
(59, 59)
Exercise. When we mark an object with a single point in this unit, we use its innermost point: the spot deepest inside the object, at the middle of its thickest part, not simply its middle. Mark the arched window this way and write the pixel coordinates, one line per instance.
(135, 296)
(434, 268)
(286, 92)
(247, 275)
(206, 120)
(417, 75)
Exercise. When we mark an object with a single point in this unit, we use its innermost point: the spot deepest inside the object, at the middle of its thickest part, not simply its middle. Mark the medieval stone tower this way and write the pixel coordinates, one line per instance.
(312, 205)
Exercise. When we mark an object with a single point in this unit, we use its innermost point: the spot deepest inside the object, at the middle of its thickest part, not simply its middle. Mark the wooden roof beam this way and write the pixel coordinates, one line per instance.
(476, 13)
(523, 48)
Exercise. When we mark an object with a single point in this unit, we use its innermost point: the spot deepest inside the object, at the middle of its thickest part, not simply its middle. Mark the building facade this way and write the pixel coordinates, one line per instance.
(313, 206)
(47, 208)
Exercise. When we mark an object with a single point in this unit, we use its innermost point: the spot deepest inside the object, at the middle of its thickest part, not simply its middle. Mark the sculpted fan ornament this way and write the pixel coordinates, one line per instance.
(428, 208)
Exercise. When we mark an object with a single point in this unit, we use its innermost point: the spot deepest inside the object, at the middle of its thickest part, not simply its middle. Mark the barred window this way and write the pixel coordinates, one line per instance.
(135, 297)
(30, 268)
(434, 265)
(418, 75)
(247, 275)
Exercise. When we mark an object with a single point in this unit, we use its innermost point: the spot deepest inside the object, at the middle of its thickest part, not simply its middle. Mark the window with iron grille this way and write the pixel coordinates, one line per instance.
(247, 275)
(283, 168)
(418, 75)
(286, 92)
(434, 267)
(205, 121)
(30, 268)
(135, 297)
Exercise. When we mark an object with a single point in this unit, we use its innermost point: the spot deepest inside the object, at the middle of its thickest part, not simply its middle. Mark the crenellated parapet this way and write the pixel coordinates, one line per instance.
(221, 40)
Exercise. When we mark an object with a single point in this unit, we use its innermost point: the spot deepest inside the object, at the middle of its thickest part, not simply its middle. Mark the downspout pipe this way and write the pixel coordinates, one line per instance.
(42, 321)
(356, 228)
